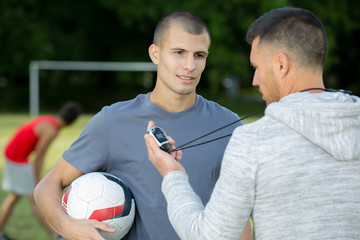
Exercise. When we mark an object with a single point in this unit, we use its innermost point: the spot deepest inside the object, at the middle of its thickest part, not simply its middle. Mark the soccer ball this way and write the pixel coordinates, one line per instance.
(103, 197)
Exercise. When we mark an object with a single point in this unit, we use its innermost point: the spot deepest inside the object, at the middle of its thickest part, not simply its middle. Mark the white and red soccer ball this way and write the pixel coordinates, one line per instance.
(103, 197)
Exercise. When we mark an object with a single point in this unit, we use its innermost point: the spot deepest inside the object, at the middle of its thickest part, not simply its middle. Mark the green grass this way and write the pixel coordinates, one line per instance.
(22, 224)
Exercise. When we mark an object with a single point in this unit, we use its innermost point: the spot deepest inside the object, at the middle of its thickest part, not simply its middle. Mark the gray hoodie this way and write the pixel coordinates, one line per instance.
(296, 172)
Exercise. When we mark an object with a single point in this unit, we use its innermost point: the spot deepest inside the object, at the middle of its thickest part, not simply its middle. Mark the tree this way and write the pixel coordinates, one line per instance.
(119, 30)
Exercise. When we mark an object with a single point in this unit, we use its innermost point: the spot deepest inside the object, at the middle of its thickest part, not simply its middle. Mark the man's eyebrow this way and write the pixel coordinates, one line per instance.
(203, 52)
(181, 49)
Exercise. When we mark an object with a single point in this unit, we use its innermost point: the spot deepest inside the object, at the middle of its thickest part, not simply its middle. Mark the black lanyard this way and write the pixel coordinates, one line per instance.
(181, 147)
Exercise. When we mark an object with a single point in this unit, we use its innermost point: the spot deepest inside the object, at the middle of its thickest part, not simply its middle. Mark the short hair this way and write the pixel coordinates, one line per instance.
(298, 31)
(187, 20)
(70, 111)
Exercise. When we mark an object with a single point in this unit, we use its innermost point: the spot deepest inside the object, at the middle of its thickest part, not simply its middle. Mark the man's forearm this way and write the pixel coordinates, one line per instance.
(48, 199)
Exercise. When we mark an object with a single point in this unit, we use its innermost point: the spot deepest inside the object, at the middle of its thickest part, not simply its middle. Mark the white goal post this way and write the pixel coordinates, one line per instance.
(36, 66)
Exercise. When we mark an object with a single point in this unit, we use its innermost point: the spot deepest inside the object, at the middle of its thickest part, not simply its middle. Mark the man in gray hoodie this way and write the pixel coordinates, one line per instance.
(296, 171)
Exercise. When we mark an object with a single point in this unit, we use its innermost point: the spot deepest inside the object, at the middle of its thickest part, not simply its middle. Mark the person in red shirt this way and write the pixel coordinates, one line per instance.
(20, 174)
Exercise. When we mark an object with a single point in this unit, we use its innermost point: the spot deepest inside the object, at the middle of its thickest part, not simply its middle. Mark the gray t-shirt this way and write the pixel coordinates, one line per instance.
(113, 142)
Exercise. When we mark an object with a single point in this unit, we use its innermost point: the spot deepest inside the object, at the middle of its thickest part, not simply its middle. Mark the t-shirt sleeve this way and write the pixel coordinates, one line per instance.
(90, 152)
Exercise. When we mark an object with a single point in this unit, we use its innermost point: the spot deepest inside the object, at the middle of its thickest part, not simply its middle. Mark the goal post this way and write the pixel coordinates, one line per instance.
(36, 66)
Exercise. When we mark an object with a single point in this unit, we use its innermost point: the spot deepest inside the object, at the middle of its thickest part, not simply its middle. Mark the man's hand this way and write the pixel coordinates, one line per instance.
(86, 229)
(164, 162)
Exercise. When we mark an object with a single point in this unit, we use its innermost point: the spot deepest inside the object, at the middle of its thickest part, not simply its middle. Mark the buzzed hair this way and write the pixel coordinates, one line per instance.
(186, 20)
(297, 31)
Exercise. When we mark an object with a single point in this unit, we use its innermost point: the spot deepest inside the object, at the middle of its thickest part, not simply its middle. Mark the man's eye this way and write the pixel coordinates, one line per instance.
(201, 55)
(178, 52)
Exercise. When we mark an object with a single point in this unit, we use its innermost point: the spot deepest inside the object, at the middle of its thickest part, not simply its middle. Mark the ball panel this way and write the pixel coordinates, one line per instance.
(65, 198)
(91, 193)
(107, 213)
(120, 233)
(126, 221)
(113, 193)
(77, 209)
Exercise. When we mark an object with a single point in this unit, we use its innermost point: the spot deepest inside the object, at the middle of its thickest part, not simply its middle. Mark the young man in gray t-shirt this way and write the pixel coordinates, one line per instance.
(113, 140)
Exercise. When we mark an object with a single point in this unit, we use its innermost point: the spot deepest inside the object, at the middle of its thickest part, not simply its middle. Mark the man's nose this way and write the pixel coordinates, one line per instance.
(190, 63)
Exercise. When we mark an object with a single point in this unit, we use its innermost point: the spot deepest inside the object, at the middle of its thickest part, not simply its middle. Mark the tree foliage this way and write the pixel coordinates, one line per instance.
(119, 30)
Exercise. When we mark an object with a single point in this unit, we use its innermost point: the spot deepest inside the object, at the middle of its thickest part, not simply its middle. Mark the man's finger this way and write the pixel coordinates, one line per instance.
(171, 140)
(103, 226)
(150, 124)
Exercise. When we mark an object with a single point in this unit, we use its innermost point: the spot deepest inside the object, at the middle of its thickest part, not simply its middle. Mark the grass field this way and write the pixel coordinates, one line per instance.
(22, 224)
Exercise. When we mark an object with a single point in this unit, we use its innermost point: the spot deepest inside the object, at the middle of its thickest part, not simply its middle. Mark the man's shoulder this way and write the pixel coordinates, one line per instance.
(215, 107)
(126, 105)
(46, 129)
(265, 127)
(210, 103)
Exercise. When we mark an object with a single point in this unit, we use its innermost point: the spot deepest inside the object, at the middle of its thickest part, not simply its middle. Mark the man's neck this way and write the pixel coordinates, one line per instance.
(61, 122)
(173, 102)
(302, 81)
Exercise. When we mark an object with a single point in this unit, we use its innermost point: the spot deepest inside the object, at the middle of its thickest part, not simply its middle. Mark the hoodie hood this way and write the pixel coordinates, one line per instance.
(329, 120)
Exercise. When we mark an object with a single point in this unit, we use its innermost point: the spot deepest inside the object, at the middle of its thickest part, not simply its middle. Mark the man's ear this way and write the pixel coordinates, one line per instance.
(154, 52)
(283, 63)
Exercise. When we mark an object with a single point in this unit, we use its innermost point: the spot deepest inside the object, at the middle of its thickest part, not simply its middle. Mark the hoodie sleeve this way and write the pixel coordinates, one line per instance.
(228, 211)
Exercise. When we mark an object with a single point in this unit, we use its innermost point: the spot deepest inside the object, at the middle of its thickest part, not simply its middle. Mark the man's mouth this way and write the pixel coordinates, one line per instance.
(186, 78)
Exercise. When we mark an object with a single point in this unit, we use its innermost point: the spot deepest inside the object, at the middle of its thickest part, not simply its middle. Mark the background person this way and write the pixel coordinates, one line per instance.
(112, 140)
(296, 171)
(20, 174)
